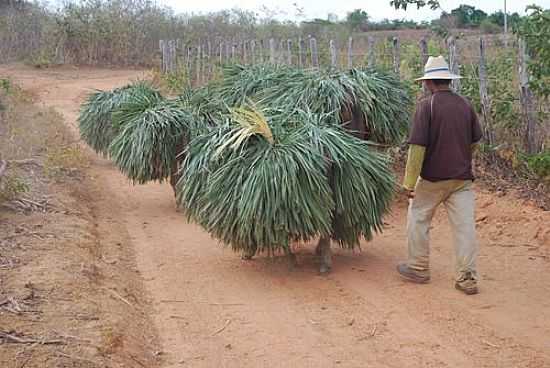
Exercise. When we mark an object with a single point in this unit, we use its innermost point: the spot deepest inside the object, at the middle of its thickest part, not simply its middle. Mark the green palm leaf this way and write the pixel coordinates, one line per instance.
(153, 132)
(96, 121)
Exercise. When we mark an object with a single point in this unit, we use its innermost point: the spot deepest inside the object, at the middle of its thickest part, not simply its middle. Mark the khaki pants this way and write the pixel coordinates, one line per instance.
(458, 198)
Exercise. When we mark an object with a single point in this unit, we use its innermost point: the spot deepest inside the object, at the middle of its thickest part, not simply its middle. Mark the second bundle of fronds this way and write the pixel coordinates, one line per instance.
(95, 119)
(153, 132)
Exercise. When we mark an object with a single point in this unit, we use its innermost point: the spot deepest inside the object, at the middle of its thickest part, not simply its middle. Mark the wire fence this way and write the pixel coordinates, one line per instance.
(494, 76)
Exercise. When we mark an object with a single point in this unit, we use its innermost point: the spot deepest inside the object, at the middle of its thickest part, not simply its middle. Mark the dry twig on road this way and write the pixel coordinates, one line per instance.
(19, 340)
(118, 296)
(227, 323)
(3, 166)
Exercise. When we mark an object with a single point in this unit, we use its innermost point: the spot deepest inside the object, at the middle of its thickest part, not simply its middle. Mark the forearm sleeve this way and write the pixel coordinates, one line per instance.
(415, 160)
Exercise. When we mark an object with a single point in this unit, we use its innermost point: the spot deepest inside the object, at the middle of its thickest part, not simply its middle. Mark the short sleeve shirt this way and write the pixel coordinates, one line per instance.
(447, 125)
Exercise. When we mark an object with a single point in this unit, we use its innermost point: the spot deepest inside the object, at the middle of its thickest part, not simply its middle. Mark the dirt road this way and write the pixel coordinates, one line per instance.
(213, 310)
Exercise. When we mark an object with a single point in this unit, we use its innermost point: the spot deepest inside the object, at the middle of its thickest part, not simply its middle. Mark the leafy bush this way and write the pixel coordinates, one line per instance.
(11, 186)
(5, 84)
(535, 29)
(487, 26)
(174, 82)
(540, 164)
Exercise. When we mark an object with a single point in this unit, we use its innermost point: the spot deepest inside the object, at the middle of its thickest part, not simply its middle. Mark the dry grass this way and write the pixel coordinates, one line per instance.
(52, 255)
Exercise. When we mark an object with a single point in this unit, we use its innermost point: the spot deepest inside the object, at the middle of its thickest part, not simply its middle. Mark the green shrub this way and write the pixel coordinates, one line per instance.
(41, 59)
(5, 84)
(540, 164)
(489, 27)
(174, 82)
(503, 92)
(11, 187)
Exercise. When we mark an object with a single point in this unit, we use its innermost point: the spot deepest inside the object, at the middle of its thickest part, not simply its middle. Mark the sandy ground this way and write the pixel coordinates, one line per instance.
(213, 310)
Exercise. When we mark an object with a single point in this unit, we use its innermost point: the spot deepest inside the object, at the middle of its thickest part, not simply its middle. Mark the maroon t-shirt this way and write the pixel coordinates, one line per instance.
(447, 125)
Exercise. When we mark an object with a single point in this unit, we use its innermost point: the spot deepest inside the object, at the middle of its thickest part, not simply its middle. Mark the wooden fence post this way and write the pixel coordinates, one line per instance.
(396, 47)
(526, 98)
(423, 60)
(453, 62)
(300, 53)
(281, 54)
(209, 63)
(166, 56)
(245, 56)
(162, 56)
(261, 56)
(350, 53)
(188, 61)
(371, 55)
(484, 97)
(424, 51)
(333, 54)
(199, 64)
(253, 52)
(173, 56)
(314, 54)
(272, 51)
(176, 54)
(233, 50)
(289, 51)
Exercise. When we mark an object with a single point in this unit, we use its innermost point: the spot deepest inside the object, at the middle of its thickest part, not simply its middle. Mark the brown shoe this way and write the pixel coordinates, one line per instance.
(412, 275)
(467, 284)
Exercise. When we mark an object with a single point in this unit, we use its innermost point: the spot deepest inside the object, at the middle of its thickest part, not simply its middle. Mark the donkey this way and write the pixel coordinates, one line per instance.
(355, 123)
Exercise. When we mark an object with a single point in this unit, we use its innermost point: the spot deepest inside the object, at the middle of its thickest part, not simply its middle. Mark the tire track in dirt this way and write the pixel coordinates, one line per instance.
(212, 309)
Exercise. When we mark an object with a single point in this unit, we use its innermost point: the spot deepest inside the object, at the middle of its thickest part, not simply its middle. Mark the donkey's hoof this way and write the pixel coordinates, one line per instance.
(247, 256)
(325, 269)
(318, 250)
(292, 261)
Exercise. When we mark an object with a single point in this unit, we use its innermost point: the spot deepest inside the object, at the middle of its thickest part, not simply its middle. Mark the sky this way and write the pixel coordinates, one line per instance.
(377, 9)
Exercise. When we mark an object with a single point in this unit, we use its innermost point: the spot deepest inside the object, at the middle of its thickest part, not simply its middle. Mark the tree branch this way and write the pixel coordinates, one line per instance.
(3, 166)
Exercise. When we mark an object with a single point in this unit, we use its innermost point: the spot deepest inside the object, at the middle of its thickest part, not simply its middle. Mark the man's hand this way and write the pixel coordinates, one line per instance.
(410, 193)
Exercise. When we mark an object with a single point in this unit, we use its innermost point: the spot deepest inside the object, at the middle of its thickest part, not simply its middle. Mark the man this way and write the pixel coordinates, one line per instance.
(439, 171)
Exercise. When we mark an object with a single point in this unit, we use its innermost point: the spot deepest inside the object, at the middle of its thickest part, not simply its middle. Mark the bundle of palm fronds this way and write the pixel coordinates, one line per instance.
(95, 120)
(371, 101)
(153, 131)
(264, 179)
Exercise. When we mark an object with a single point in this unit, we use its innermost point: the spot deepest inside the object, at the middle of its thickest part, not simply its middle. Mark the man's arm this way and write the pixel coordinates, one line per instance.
(418, 141)
(415, 160)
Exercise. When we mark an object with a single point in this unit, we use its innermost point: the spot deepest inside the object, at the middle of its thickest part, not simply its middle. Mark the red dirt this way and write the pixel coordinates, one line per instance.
(213, 310)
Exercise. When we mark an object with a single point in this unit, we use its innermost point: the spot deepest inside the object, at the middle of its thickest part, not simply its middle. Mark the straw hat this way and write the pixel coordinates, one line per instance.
(437, 68)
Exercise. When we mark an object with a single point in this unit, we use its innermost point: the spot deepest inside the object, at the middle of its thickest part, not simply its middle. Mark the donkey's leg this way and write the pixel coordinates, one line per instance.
(292, 261)
(248, 254)
(318, 248)
(173, 181)
(324, 251)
